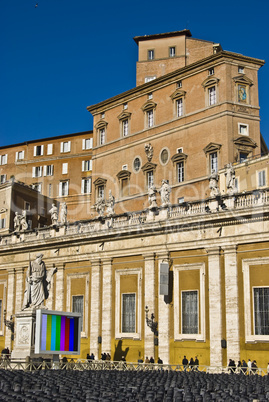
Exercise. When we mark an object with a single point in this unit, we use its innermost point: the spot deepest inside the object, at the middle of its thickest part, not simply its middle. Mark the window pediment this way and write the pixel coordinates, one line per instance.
(101, 124)
(245, 142)
(124, 115)
(149, 105)
(243, 79)
(123, 174)
(210, 81)
(149, 166)
(99, 181)
(178, 93)
(212, 147)
(179, 157)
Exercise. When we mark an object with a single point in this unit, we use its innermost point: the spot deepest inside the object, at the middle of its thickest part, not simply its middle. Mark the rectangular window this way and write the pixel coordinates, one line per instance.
(87, 165)
(27, 206)
(65, 168)
(211, 71)
(102, 136)
(172, 51)
(125, 127)
(243, 129)
(3, 178)
(63, 188)
(151, 54)
(38, 150)
(150, 178)
(86, 185)
(213, 162)
(2, 223)
(261, 310)
(189, 313)
(101, 191)
(3, 159)
(49, 149)
(241, 70)
(180, 200)
(125, 187)
(212, 96)
(150, 118)
(65, 146)
(180, 172)
(49, 170)
(261, 178)
(37, 187)
(87, 143)
(128, 313)
(77, 306)
(19, 155)
(242, 156)
(37, 171)
(179, 107)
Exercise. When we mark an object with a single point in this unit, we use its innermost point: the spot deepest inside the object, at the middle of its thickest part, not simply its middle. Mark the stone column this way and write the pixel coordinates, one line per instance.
(10, 304)
(95, 308)
(107, 305)
(20, 287)
(215, 308)
(50, 300)
(149, 280)
(163, 319)
(59, 283)
(231, 300)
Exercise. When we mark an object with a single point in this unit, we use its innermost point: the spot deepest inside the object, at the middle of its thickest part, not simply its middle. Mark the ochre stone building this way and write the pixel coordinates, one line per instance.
(199, 264)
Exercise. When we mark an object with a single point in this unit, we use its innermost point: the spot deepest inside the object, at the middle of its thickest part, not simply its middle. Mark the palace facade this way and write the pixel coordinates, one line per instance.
(200, 263)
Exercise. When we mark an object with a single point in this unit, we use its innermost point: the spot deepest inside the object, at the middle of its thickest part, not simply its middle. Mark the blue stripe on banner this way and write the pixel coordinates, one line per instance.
(44, 332)
(53, 332)
(71, 338)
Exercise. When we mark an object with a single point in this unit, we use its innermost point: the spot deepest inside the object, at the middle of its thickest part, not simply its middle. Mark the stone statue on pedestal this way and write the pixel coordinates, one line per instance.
(100, 206)
(63, 214)
(165, 191)
(110, 204)
(213, 184)
(152, 197)
(20, 223)
(54, 214)
(230, 179)
(38, 281)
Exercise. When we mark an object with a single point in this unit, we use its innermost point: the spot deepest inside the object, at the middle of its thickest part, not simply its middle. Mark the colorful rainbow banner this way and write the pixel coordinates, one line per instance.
(59, 333)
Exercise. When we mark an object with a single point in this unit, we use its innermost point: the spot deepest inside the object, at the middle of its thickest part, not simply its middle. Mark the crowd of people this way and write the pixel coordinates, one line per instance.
(244, 367)
(192, 364)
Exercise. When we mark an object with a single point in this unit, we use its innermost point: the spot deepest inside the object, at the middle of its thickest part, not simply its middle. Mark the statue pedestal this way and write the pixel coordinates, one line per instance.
(24, 344)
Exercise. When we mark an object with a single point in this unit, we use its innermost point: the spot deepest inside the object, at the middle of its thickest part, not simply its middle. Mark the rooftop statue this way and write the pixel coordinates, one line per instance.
(213, 184)
(20, 223)
(63, 214)
(54, 214)
(230, 179)
(165, 191)
(152, 197)
(110, 204)
(100, 206)
(38, 281)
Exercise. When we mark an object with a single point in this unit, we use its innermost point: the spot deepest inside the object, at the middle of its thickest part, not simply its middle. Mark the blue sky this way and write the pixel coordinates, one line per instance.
(63, 55)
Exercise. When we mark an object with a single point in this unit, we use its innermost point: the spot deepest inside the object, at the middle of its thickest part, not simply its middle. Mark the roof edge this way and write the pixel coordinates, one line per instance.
(185, 32)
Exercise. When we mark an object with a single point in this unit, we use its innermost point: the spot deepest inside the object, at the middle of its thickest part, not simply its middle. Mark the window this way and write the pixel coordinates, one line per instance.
(179, 104)
(172, 51)
(164, 156)
(261, 310)
(37, 171)
(37, 187)
(243, 156)
(180, 200)
(243, 129)
(125, 127)
(3, 159)
(87, 143)
(102, 115)
(65, 146)
(261, 178)
(213, 162)
(27, 206)
(179, 84)
(86, 185)
(2, 223)
(241, 70)
(137, 164)
(212, 99)
(49, 149)
(189, 313)
(38, 150)
(128, 313)
(86, 165)
(101, 191)
(124, 187)
(63, 188)
(180, 150)
(102, 136)
(19, 155)
(150, 178)
(150, 118)
(124, 167)
(180, 172)
(236, 184)
(65, 168)
(77, 306)
(151, 54)
(150, 78)
(125, 106)
(150, 96)
(211, 71)
(48, 170)
(3, 178)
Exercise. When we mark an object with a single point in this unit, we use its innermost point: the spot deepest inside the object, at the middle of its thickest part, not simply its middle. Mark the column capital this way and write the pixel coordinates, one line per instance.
(229, 248)
(106, 261)
(215, 250)
(95, 262)
(149, 256)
